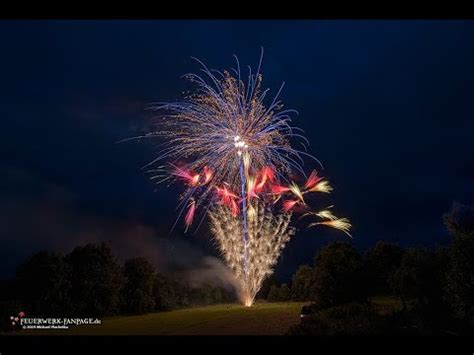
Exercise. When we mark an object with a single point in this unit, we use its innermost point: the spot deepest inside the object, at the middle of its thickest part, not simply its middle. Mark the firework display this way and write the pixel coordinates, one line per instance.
(234, 157)
(267, 234)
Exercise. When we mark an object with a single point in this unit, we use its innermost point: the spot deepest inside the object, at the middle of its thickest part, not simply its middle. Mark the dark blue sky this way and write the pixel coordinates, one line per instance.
(387, 106)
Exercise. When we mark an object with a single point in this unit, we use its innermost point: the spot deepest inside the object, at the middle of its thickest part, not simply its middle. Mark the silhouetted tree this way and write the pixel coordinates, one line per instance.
(279, 294)
(222, 295)
(285, 293)
(266, 285)
(95, 280)
(338, 276)
(207, 294)
(459, 289)
(43, 284)
(163, 293)
(274, 294)
(419, 283)
(170, 294)
(203, 295)
(137, 291)
(181, 293)
(302, 281)
(381, 262)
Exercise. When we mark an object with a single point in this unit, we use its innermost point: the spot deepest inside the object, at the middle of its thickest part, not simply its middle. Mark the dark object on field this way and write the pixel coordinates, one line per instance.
(306, 312)
(346, 319)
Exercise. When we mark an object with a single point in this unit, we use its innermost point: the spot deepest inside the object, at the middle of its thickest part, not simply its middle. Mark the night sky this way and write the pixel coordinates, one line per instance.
(388, 107)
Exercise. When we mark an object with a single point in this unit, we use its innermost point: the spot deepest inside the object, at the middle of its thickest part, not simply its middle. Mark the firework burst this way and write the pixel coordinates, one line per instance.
(234, 156)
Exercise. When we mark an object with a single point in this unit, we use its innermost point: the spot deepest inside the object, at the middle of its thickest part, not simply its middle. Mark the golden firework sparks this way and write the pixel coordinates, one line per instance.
(267, 235)
(322, 186)
(296, 191)
(326, 214)
(341, 224)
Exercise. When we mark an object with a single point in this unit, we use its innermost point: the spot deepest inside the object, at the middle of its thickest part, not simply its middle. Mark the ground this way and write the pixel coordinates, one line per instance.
(263, 318)
(230, 319)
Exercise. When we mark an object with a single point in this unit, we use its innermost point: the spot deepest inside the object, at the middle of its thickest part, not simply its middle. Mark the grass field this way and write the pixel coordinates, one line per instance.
(230, 319)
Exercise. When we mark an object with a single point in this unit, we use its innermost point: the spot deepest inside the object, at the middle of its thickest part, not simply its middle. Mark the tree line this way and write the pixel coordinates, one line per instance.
(89, 282)
(435, 287)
